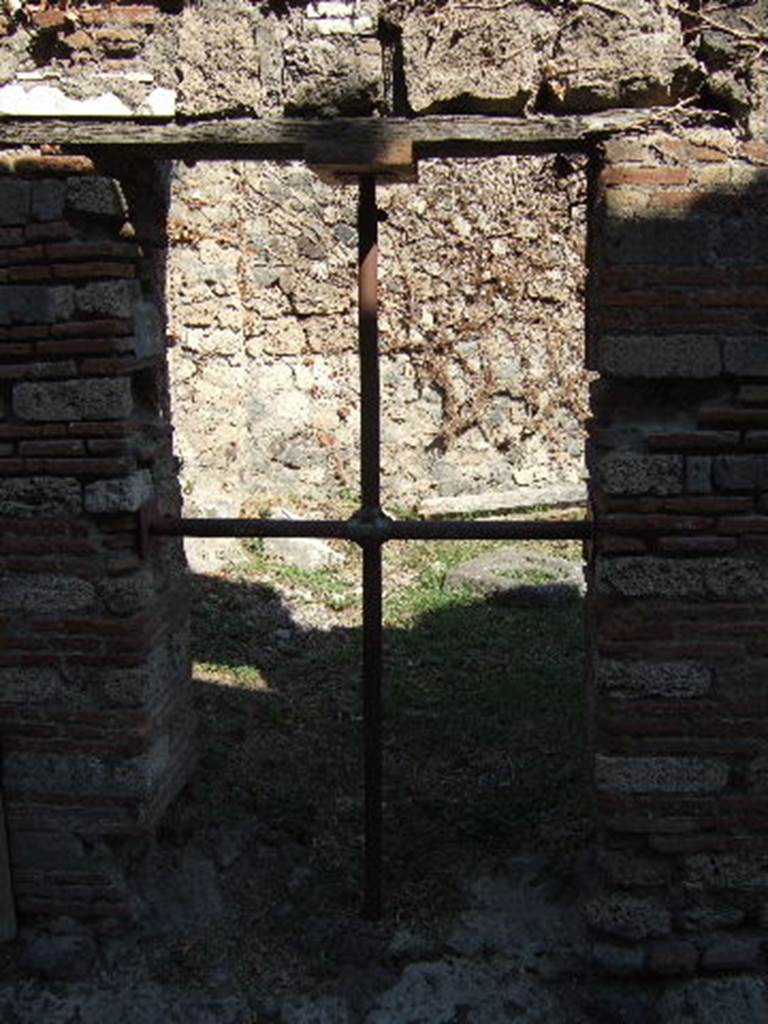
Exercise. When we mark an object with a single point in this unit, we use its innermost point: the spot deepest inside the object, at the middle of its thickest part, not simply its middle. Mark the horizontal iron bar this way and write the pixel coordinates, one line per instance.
(379, 528)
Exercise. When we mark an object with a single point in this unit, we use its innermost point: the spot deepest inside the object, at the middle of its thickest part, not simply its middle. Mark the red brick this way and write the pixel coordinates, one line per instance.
(677, 200)
(22, 254)
(671, 958)
(701, 441)
(51, 19)
(49, 231)
(99, 428)
(134, 14)
(28, 332)
(117, 365)
(11, 236)
(78, 251)
(84, 465)
(743, 524)
(51, 448)
(92, 271)
(753, 394)
(706, 504)
(704, 545)
(733, 416)
(20, 274)
(755, 151)
(85, 346)
(654, 522)
(756, 440)
(646, 176)
(55, 164)
(616, 545)
(91, 328)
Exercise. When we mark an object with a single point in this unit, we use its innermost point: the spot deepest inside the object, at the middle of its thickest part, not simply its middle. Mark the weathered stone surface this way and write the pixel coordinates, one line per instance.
(740, 472)
(633, 473)
(96, 195)
(121, 494)
(111, 299)
(332, 77)
(739, 1000)
(29, 685)
(36, 304)
(628, 917)
(95, 399)
(632, 55)
(510, 576)
(48, 199)
(620, 961)
(505, 501)
(222, 49)
(644, 679)
(730, 578)
(746, 872)
(659, 774)
(457, 58)
(61, 957)
(687, 356)
(15, 196)
(44, 593)
(746, 357)
(40, 496)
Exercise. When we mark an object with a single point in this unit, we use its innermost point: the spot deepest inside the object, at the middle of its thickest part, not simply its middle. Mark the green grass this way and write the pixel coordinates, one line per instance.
(484, 734)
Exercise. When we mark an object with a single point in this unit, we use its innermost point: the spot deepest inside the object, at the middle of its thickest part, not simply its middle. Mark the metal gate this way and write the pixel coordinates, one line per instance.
(371, 528)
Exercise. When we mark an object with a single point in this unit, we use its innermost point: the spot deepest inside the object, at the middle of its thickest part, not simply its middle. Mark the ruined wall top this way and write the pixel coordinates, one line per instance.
(323, 58)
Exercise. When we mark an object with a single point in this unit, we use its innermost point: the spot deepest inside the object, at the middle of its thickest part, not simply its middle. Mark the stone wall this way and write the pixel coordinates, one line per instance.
(679, 598)
(482, 277)
(94, 717)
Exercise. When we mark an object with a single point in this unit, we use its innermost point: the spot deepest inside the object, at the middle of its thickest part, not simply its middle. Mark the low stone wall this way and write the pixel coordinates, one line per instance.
(95, 727)
(679, 596)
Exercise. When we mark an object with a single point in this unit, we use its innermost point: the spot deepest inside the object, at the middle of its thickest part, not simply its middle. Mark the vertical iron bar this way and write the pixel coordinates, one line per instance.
(370, 482)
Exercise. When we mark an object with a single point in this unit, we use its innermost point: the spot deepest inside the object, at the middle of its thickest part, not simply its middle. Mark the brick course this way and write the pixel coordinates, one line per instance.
(94, 719)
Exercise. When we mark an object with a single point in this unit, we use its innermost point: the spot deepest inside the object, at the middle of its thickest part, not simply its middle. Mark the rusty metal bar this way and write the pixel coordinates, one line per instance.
(370, 515)
(380, 528)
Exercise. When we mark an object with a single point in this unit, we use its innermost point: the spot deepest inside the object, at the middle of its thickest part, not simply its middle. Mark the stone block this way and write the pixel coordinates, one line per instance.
(698, 474)
(36, 304)
(731, 955)
(740, 472)
(47, 851)
(672, 957)
(33, 684)
(746, 357)
(644, 679)
(43, 593)
(111, 299)
(634, 473)
(726, 578)
(657, 242)
(128, 594)
(669, 775)
(48, 199)
(628, 917)
(446, 63)
(101, 196)
(733, 871)
(121, 494)
(620, 961)
(94, 399)
(40, 497)
(15, 196)
(738, 1000)
(686, 356)
(148, 330)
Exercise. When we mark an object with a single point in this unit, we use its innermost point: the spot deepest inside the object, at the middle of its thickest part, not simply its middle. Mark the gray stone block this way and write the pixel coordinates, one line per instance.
(634, 473)
(121, 494)
(725, 1001)
(657, 242)
(671, 775)
(108, 298)
(642, 679)
(14, 201)
(101, 196)
(639, 576)
(148, 332)
(698, 474)
(36, 304)
(40, 496)
(48, 199)
(746, 357)
(628, 917)
(740, 472)
(107, 398)
(686, 356)
(33, 684)
(43, 593)
(128, 594)
(747, 872)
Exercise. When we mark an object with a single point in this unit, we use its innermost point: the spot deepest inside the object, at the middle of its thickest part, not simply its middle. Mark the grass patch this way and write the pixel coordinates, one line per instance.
(485, 751)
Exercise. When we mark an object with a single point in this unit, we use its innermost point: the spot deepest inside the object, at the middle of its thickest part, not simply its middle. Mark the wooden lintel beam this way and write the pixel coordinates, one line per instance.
(287, 138)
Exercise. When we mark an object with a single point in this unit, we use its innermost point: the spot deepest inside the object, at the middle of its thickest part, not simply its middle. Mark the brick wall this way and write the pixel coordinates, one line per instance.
(679, 598)
(94, 669)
